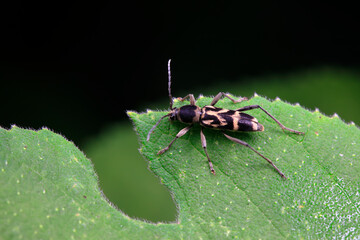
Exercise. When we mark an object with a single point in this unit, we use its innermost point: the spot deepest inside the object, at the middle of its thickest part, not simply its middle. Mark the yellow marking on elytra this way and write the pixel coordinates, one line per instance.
(208, 122)
(223, 122)
(236, 118)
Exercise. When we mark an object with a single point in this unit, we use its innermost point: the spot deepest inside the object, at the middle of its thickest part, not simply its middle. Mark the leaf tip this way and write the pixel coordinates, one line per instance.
(131, 113)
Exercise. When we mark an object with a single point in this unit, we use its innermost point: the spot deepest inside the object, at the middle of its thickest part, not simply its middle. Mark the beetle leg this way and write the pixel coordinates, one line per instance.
(181, 133)
(247, 145)
(203, 143)
(222, 94)
(246, 108)
(192, 99)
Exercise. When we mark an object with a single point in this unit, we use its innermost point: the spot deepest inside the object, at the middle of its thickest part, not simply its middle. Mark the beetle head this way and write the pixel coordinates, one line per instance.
(173, 114)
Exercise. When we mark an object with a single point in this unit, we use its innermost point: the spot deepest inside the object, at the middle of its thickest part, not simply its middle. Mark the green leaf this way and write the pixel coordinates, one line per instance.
(124, 177)
(49, 189)
(247, 198)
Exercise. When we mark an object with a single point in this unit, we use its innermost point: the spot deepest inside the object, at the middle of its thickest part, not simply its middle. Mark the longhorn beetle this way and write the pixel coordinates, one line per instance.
(217, 118)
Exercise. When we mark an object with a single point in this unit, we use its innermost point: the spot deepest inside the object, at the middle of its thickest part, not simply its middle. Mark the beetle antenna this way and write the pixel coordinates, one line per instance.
(153, 128)
(169, 85)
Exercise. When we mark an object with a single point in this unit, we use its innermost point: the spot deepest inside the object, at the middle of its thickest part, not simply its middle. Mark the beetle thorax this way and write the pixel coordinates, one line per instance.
(186, 114)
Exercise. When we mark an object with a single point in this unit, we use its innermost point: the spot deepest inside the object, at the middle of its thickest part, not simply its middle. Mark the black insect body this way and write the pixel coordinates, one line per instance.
(232, 120)
(216, 118)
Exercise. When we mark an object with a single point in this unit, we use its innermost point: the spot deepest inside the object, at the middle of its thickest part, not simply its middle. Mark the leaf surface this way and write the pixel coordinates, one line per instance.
(247, 198)
(49, 189)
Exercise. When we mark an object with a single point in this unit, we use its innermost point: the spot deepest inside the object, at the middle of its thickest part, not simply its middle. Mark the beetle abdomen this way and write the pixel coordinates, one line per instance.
(232, 120)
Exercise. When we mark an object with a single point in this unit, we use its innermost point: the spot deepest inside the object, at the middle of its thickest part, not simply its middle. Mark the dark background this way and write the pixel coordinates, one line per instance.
(77, 67)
